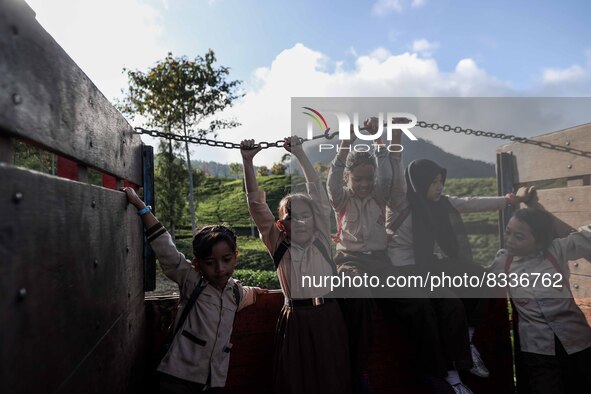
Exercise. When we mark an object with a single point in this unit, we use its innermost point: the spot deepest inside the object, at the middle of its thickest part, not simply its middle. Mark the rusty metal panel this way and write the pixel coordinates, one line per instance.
(47, 99)
(534, 163)
(71, 275)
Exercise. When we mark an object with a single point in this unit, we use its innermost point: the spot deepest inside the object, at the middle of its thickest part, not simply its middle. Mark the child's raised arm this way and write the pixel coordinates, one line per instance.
(294, 146)
(173, 263)
(383, 167)
(314, 186)
(248, 150)
(257, 204)
(334, 181)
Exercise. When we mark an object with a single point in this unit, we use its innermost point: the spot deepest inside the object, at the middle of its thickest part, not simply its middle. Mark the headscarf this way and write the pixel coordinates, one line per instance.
(434, 221)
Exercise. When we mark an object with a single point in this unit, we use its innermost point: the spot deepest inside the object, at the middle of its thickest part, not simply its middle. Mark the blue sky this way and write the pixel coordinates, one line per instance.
(384, 48)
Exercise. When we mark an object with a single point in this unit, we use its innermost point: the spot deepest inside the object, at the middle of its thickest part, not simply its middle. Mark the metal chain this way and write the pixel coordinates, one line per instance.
(222, 144)
(328, 135)
(513, 138)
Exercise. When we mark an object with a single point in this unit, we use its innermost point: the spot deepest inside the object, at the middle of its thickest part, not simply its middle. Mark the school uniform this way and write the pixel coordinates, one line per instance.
(554, 335)
(200, 352)
(437, 320)
(361, 249)
(311, 352)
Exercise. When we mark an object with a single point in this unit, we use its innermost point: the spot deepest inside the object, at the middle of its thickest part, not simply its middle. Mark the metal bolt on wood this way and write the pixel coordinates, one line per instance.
(16, 99)
(17, 198)
(569, 166)
(22, 294)
(571, 199)
(93, 204)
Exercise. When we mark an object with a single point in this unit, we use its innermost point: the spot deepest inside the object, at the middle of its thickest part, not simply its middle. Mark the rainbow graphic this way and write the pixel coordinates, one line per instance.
(317, 119)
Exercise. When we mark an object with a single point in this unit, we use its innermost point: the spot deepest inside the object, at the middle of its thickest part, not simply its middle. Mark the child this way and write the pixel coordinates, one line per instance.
(200, 352)
(359, 201)
(427, 235)
(311, 353)
(554, 335)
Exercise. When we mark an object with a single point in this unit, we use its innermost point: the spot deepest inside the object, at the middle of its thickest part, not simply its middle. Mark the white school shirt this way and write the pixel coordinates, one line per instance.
(297, 261)
(547, 311)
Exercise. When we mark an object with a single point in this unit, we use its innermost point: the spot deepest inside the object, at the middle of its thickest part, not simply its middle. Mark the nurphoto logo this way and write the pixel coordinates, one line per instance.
(397, 121)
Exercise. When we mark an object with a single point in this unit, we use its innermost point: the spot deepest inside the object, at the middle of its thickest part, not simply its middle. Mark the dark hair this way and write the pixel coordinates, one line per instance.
(355, 159)
(208, 236)
(540, 223)
(285, 203)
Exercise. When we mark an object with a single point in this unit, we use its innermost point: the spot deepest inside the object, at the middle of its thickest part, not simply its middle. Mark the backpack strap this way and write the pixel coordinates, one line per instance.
(284, 246)
(237, 295)
(395, 225)
(325, 253)
(550, 257)
(194, 295)
(340, 217)
(280, 251)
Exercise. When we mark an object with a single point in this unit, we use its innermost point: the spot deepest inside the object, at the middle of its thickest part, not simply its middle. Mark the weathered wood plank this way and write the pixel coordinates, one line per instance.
(47, 99)
(580, 286)
(569, 199)
(535, 163)
(71, 267)
(580, 267)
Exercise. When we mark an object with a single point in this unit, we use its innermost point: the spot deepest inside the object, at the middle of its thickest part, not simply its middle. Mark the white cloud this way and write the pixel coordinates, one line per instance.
(418, 3)
(102, 36)
(563, 75)
(384, 7)
(424, 47)
(574, 80)
(302, 72)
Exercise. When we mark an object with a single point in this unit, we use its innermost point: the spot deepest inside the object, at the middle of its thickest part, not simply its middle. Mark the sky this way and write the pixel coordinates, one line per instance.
(374, 48)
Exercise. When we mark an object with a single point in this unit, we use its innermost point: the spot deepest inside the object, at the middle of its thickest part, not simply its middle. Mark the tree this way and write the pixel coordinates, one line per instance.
(278, 169)
(321, 169)
(263, 171)
(182, 94)
(236, 169)
(171, 200)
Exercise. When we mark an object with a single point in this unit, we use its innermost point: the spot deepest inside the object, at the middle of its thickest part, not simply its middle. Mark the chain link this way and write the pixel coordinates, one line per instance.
(512, 138)
(224, 144)
(328, 135)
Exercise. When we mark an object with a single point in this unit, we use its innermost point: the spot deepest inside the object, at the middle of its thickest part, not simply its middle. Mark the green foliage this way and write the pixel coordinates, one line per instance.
(322, 169)
(179, 94)
(264, 279)
(236, 169)
(484, 246)
(252, 253)
(170, 187)
(33, 158)
(278, 169)
(224, 200)
(263, 171)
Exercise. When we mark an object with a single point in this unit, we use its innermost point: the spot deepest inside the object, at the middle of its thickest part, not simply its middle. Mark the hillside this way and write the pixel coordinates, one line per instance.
(223, 201)
(457, 167)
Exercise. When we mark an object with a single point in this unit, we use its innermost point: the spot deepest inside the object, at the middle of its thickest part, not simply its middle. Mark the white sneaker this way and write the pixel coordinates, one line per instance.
(460, 388)
(479, 369)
